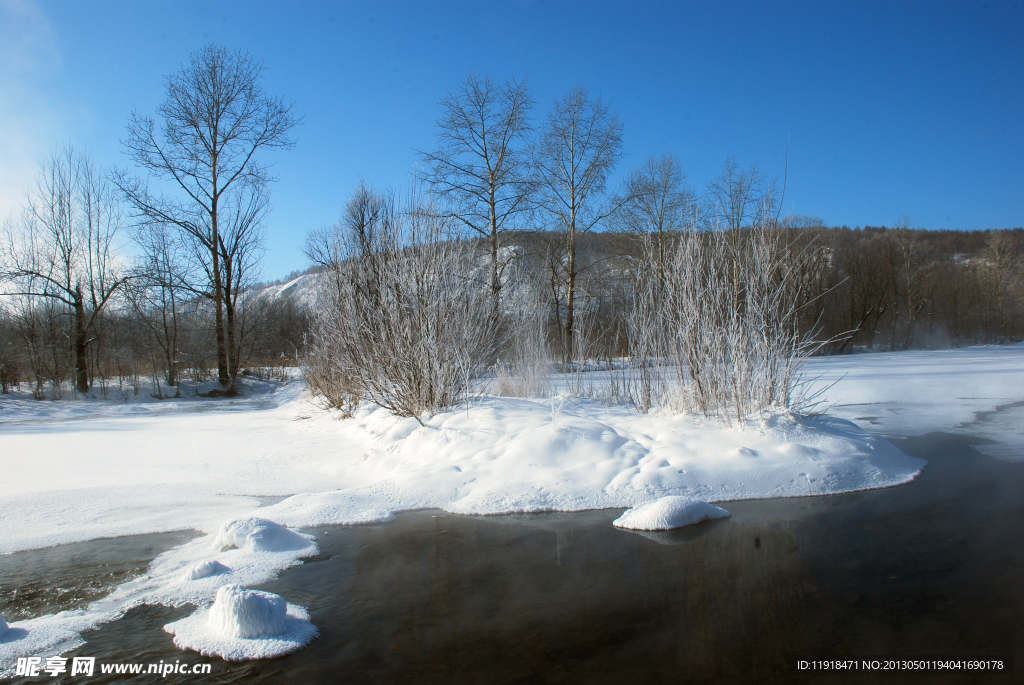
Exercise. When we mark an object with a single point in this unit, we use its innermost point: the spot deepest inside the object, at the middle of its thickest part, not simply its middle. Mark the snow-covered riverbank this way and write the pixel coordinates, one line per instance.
(77, 470)
(89, 469)
(93, 469)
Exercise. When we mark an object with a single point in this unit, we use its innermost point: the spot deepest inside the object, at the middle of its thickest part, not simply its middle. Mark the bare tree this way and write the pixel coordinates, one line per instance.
(578, 149)
(63, 248)
(737, 198)
(156, 296)
(215, 120)
(479, 165)
(241, 248)
(657, 205)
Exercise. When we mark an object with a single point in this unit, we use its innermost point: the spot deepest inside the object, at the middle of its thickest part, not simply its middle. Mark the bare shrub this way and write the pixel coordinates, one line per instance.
(728, 322)
(523, 368)
(400, 320)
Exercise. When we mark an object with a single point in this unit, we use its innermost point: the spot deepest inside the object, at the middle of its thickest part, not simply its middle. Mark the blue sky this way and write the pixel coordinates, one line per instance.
(890, 108)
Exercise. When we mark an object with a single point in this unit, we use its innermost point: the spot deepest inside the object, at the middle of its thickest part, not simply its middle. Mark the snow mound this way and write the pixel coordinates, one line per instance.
(245, 624)
(668, 513)
(205, 569)
(238, 612)
(255, 534)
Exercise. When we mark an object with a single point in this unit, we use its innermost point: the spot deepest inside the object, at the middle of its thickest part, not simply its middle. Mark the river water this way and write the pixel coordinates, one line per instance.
(931, 568)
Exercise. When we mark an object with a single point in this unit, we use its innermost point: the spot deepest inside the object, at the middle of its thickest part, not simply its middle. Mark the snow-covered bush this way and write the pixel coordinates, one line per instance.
(400, 318)
(726, 318)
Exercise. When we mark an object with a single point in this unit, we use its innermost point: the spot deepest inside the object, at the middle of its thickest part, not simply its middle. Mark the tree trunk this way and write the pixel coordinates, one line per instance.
(232, 344)
(218, 304)
(80, 347)
(495, 284)
(172, 371)
(570, 299)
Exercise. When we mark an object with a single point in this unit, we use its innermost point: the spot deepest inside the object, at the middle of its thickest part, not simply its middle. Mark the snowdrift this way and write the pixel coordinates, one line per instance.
(669, 513)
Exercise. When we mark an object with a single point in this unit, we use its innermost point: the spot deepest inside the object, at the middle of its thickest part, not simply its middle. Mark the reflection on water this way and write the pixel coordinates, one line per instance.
(933, 567)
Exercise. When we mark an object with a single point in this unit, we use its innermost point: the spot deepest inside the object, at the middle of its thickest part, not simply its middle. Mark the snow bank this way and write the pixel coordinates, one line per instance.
(205, 569)
(668, 513)
(256, 534)
(245, 624)
(192, 465)
(328, 508)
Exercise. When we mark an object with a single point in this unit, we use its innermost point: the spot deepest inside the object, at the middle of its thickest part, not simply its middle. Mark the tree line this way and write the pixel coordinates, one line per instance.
(509, 256)
(194, 205)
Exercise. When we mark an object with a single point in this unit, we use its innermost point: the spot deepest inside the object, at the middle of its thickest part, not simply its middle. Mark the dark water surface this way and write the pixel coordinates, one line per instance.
(45, 581)
(935, 567)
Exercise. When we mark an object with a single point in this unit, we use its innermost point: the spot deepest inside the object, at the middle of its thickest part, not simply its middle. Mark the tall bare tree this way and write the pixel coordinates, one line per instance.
(578, 149)
(215, 120)
(657, 205)
(479, 165)
(156, 295)
(62, 250)
(735, 199)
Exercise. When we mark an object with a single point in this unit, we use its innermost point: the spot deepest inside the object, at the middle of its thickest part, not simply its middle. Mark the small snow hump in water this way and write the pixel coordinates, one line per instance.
(245, 624)
(255, 534)
(668, 513)
(205, 569)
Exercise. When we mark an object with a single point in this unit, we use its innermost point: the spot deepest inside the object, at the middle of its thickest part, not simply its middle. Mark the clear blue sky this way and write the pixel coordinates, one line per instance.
(891, 108)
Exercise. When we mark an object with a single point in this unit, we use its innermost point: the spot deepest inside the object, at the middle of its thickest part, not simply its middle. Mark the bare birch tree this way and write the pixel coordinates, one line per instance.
(215, 120)
(657, 205)
(62, 250)
(578, 149)
(157, 294)
(479, 166)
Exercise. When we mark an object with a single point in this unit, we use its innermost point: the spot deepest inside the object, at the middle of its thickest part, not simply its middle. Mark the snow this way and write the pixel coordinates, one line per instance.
(245, 624)
(256, 534)
(205, 569)
(191, 574)
(238, 612)
(915, 392)
(192, 464)
(45, 636)
(78, 470)
(669, 513)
